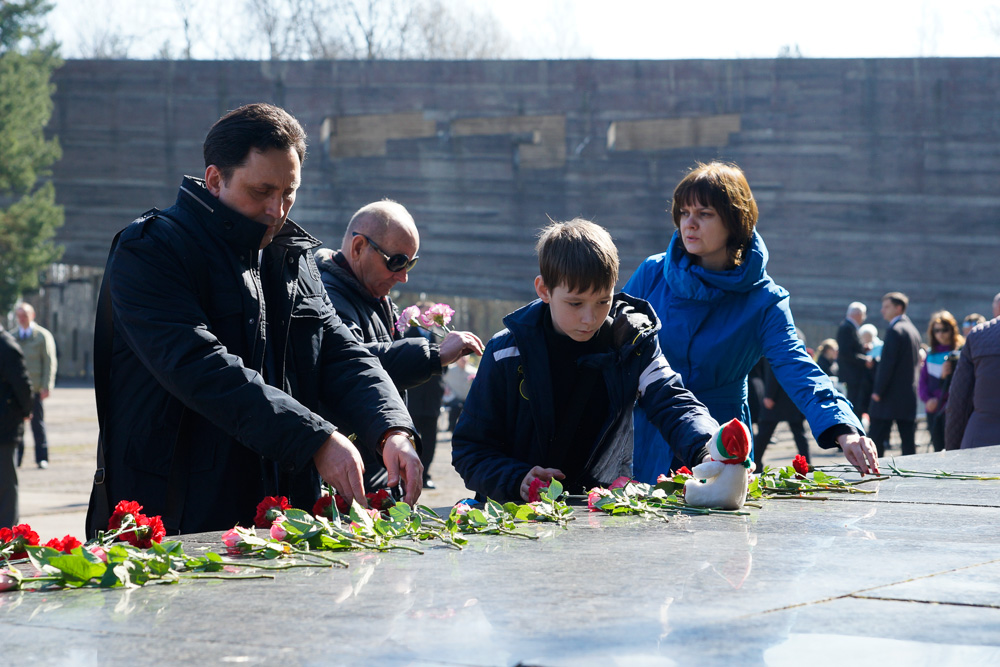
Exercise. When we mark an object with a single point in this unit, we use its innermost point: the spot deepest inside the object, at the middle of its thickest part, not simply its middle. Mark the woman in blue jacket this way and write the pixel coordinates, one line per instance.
(721, 312)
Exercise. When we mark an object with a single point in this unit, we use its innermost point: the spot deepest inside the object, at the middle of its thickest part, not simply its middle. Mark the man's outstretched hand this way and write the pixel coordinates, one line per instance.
(403, 465)
(339, 464)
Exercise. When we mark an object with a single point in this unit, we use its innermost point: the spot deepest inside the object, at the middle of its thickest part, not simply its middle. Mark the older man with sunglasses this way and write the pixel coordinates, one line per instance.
(378, 250)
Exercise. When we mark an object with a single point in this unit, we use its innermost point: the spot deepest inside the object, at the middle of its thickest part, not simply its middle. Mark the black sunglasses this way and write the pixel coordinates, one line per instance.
(394, 263)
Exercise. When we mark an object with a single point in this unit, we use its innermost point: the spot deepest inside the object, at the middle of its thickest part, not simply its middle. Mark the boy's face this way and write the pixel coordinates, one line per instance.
(575, 314)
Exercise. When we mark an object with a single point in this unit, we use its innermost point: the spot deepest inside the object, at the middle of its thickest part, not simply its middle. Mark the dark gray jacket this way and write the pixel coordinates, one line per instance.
(193, 309)
(408, 361)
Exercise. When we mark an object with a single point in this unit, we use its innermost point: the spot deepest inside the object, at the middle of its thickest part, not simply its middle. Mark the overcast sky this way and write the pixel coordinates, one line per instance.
(630, 29)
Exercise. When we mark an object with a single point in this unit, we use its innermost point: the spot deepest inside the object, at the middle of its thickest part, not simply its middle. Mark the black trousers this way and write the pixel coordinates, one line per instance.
(37, 430)
(881, 428)
(427, 428)
(765, 431)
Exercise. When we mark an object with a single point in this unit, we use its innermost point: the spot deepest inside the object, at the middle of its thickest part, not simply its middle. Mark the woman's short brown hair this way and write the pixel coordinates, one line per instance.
(723, 187)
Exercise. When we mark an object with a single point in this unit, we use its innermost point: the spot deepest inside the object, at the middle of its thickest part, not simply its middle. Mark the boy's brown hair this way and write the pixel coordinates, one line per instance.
(579, 255)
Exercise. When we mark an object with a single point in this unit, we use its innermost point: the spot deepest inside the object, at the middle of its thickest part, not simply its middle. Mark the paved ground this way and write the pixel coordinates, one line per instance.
(54, 501)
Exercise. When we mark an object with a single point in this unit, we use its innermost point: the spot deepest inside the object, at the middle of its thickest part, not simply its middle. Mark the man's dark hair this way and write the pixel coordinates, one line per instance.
(578, 255)
(898, 299)
(252, 126)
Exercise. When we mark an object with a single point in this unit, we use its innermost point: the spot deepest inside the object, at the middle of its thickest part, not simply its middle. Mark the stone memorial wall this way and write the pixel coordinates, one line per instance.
(871, 175)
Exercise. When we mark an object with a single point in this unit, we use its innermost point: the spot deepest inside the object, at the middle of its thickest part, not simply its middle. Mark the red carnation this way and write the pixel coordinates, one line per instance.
(380, 500)
(65, 545)
(123, 508)
(147, 531)
(20, 537)
(268, 509)
(535, 487)
(342, 505)
(800, 464)
(322, 507)
(684, 470)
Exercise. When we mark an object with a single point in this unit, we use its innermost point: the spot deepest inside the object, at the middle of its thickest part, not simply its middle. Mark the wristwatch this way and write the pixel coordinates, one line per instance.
(397, 431)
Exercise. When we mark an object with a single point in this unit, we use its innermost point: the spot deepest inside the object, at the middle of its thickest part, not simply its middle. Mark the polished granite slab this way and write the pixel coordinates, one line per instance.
(910, 574)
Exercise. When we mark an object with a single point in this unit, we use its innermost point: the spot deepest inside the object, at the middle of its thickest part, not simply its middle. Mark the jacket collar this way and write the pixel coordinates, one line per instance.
(233, 227)
(335, 263)
(692, 281)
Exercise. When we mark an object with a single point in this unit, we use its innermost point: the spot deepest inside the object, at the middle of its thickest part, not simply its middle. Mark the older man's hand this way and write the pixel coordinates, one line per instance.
(403, 465)
(458, 344)
(339, 464)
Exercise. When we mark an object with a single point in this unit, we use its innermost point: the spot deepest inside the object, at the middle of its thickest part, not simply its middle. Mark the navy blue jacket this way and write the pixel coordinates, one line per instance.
(507, 422)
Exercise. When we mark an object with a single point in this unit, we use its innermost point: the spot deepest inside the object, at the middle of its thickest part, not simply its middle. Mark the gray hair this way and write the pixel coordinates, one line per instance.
(857, 307)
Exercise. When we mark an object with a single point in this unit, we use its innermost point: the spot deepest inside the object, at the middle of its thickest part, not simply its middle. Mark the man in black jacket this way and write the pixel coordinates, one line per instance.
(224, 344)
(15, 407)
(377, 252)
(852, 358)
(894, 396)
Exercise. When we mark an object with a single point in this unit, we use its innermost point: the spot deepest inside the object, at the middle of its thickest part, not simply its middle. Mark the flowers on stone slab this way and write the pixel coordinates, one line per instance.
(269, 509)
(536, 485)
(378, 500)
(129, 524)
(627, 496)
(14, 541)
(65, 545)
(801, 465)
(791, 481)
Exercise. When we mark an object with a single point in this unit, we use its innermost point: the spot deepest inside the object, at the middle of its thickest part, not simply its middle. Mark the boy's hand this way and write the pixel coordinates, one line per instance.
(539, 472)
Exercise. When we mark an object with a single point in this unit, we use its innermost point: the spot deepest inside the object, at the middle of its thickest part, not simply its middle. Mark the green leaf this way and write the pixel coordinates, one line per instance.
(524, 513)
(77, 567)
(822, 477)
(555, 489)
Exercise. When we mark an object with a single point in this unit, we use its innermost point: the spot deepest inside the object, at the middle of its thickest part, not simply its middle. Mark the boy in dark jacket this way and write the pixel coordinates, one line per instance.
(555, 390)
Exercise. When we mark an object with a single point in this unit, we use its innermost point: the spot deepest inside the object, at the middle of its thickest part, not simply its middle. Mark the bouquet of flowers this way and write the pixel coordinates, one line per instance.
(439, 315)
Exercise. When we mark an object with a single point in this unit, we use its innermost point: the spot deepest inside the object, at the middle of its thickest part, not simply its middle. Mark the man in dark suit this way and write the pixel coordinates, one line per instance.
(852, 357)
(15, 406)
(894, 396)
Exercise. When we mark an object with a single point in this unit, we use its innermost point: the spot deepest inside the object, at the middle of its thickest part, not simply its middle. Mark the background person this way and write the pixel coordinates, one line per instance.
(827, 358)
(973, 409)
(943, 339)
(894, 392)
(721, 312)
(39, 349)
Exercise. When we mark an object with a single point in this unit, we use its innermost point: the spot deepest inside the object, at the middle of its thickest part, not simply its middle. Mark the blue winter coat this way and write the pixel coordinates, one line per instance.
(716, 326)
(507, 422)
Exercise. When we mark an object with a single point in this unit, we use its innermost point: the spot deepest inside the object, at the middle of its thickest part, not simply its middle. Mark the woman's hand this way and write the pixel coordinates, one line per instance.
(860, 452)
(931, 405)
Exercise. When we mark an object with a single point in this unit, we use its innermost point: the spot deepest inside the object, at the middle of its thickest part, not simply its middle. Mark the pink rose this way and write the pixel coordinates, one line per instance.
(232, 540)
(8, 582)
(408, 316)
(461, 508)
(594, 495)
(661, 478)
(374, 513)
(278, 531)
(620, 482)
(99, 551)
(535, 487)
